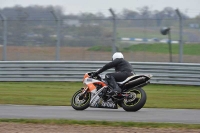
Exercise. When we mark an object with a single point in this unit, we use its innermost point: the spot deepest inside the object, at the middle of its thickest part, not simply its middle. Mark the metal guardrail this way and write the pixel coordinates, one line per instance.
(163, 73)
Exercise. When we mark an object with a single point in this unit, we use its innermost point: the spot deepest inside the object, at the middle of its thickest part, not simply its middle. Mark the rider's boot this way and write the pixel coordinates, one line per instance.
(112, 83)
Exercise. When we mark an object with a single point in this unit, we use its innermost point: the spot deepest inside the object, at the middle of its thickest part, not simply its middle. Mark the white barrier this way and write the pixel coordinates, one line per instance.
(148, 40)
(163, 73)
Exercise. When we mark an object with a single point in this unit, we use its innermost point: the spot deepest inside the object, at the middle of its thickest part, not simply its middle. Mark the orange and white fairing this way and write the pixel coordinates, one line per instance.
(89, 82)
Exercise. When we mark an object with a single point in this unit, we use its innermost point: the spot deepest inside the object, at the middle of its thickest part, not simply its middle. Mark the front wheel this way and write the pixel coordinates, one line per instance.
(135, 101)
(79, 101)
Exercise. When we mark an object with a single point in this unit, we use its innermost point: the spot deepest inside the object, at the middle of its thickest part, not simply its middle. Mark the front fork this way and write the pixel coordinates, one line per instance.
(84, 91)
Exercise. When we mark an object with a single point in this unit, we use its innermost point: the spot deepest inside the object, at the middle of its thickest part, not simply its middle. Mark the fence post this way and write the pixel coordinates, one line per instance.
(58, 22)
(180, 36)
(4, 36)
(114, 31)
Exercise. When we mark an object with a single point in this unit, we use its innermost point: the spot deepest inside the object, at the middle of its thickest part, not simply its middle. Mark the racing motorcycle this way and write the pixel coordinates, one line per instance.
(95, 94)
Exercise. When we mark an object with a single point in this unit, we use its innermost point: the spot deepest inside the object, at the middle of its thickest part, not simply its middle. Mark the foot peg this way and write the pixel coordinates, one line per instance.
(113, 93)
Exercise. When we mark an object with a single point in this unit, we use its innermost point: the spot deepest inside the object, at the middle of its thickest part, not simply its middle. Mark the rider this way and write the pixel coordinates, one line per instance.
(123, 69)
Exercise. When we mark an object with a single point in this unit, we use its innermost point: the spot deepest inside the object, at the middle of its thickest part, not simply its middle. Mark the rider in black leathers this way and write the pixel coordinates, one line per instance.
(123, 69)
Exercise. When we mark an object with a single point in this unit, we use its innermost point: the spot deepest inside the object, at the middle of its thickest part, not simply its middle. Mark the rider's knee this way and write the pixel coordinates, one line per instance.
(109, 76)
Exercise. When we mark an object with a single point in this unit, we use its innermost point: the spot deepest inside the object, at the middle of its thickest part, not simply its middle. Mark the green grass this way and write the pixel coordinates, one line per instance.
(100, 48)
(60, 93)
(104, 123)
(37, 93)
(188, 49)
(173, 96)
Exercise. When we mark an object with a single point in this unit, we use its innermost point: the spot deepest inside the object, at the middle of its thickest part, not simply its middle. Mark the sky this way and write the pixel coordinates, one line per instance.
(189, 7)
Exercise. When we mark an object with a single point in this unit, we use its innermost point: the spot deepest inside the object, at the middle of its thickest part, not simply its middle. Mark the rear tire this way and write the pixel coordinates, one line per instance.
(80, 103)
(135, 103)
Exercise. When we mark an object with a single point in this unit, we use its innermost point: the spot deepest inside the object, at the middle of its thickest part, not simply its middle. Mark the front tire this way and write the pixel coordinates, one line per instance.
(136, 102)
(80, 103)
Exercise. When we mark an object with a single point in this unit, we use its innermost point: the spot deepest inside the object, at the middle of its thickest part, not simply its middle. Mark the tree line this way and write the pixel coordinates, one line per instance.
(41, 12)
(36, 25)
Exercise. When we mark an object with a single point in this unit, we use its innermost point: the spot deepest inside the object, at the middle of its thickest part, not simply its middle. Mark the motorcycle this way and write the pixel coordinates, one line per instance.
(95, 94)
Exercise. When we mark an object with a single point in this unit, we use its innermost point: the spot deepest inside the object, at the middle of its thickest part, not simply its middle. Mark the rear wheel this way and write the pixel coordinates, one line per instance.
(135, 101)
(79, 101)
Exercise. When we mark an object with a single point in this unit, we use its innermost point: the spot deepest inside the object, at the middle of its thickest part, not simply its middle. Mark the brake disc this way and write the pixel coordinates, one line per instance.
(131, 97)
(78, 101)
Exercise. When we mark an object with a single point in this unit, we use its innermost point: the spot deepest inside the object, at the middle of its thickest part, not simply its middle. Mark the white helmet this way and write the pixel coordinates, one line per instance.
(117, 55)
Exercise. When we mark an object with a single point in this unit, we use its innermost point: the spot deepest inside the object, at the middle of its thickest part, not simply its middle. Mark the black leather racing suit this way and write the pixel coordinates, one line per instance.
(123, 69)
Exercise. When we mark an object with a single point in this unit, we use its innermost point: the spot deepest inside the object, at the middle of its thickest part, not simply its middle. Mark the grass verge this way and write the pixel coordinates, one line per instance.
(60, 93)
(189, 49)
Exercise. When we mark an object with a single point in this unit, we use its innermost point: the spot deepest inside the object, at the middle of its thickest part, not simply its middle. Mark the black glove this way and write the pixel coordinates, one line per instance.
(94, 74)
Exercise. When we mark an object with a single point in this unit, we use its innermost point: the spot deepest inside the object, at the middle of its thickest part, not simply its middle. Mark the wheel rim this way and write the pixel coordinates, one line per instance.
(77, 102)
(136, 97)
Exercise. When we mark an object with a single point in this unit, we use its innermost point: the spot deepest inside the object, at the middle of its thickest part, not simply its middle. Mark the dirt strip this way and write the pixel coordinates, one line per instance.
(49, 128)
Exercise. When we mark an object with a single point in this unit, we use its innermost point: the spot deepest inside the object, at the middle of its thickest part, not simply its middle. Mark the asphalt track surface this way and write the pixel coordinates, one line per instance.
(189, 116)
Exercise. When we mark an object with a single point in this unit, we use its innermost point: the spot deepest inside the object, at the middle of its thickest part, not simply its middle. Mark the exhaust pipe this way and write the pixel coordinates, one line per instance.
(134, 82)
